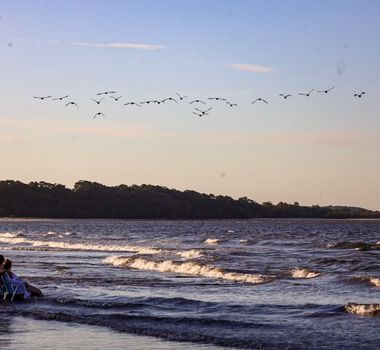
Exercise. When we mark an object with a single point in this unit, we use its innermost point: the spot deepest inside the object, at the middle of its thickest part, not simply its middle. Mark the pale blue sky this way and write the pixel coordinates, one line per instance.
(317, 150)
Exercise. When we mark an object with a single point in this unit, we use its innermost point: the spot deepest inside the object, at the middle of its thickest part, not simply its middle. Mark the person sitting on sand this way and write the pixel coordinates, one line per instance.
(15, 280)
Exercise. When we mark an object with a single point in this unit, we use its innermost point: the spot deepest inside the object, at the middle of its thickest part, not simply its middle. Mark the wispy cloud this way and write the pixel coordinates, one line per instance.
(251, 68)
(136, 46)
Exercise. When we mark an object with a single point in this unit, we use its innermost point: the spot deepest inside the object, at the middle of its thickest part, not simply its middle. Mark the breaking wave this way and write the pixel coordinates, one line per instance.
(367, 279)
(354, 245)
(15, 239)
(304, 273)
(188, 268)
(363, 309)
(213, 241)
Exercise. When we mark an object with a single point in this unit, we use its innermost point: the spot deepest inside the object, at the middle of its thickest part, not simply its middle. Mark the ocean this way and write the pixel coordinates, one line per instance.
(249, 284)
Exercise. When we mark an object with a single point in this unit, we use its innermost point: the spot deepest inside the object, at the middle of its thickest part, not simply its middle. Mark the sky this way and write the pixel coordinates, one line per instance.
(321, 149)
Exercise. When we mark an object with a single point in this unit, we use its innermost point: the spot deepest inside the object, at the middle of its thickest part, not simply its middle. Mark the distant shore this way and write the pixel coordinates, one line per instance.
(91, 200)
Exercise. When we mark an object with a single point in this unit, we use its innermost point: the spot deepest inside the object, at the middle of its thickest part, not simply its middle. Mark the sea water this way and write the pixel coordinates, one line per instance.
(255, 284)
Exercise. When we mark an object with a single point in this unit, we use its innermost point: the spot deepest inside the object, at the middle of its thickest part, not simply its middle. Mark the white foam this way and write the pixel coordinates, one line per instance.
(363, 309)
(12, 239)
(304, 273)
(10, 234)
(375, 281)
(188, 268)
(212, 241)
(189, 254)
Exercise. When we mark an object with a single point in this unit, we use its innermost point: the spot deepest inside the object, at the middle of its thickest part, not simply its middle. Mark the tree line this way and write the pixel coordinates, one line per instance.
(94, 200)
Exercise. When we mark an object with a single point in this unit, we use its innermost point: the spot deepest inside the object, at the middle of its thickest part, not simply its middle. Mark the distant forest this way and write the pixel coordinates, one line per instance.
(94, 200)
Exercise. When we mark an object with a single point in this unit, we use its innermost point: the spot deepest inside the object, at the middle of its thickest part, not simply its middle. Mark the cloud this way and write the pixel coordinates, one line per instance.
(136, 46)
(251, 68)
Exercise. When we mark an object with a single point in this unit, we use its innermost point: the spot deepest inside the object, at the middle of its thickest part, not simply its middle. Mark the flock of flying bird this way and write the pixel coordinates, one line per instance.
(197, 111)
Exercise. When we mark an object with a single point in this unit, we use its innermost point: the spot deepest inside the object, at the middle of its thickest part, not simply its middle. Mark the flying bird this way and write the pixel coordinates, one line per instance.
(231, 104)
(132, 103)
(149, 101)
(60, 98)
(360, 95)
(181, 97)
(326, 91)
(203, 112)
(285, 96)
(97, 102)
(196, 101)
(259, 99)
(42, 97)
(217, 98)
(106, 93)
(99, 113)
(71, 103)
(306, 94)
(116, 98)
(169, 99)
(200, 114)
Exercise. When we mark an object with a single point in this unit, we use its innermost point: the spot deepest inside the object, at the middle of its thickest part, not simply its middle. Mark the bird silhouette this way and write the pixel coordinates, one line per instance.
(97, 102)
(196, 101)
(217, 98)
(285, 96)
(259, 99)
(231, 104)
(148, 102)
(106, 93)
(360, 95)
(327, 90)
(200, 114)
(203, 112)
(71, 103)
(306, 94)
(181, 97)
(99, 113)
(42, 97)
(169, 99)
(116, 98)
(132, 103)
(60, 98)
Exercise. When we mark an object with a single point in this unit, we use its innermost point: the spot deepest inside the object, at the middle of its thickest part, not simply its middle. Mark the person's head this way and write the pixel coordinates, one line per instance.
(2, 259)
(7, 265)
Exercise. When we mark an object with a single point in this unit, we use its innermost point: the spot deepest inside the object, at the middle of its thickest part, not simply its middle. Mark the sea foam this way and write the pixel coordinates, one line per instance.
(303, 273)
(188, 268)
(363, 309)
(212, 241)
(13, 239)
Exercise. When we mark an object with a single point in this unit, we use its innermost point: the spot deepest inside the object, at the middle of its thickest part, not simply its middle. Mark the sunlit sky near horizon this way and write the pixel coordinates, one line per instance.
(322, 149)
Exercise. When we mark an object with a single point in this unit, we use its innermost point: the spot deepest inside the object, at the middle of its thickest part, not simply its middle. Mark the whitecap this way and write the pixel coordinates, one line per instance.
(212, 241)
(188, 268)
(12, 239)
(363, 309)
(303, 273)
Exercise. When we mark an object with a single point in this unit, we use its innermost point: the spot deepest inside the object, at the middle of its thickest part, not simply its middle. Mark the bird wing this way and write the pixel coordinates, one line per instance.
(207, 110)
(254, 101)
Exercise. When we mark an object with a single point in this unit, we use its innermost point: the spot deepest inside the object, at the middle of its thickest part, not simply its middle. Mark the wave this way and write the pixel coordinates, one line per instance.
(187, 268)
(363, 309)
(13, 239)
(367, 279)
(304, 273)
(11, 234)
(354, 245)
(213, 241)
